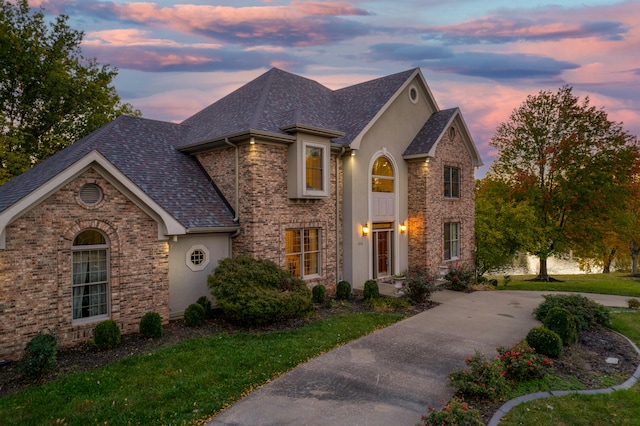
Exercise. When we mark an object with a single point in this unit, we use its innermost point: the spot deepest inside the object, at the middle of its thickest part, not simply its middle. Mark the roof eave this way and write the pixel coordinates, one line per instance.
(220, 141)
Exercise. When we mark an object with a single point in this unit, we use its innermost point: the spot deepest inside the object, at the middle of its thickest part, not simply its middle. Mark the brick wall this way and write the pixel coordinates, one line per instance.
(429, 210)
(265, 211)
(35, 267)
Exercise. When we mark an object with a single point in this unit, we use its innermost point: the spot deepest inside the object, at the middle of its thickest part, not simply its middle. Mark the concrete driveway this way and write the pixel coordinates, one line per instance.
(390, 377)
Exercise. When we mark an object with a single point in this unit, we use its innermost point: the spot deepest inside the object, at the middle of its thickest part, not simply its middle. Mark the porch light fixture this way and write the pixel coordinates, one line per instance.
(365, 230)
(353, 152)
(252, 141)
(403, 228)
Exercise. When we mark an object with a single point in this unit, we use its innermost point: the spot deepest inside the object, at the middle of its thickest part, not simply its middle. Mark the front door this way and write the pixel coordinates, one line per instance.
(382, 249)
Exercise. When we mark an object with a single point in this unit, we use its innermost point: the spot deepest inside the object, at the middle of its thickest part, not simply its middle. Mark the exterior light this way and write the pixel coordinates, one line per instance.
(353, 152)
(365, 230)
(403, 228)
(252, 141)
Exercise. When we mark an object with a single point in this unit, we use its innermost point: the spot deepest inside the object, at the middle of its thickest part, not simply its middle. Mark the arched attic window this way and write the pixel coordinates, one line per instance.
(382, 176)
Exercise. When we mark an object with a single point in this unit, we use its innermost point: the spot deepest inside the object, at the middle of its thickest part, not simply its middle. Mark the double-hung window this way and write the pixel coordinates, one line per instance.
(451, 182)
(451, 240)
(303, 252)
(90, 275)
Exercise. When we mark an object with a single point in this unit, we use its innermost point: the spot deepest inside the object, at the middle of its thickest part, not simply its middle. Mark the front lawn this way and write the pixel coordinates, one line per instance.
(616, 283)
(185, 383)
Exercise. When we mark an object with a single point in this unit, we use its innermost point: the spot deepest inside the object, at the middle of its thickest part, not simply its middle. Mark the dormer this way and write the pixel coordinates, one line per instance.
(308, 169)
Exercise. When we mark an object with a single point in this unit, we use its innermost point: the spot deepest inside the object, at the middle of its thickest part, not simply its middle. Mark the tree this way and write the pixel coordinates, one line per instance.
(50, 95)
(502, 226)
(564, 158)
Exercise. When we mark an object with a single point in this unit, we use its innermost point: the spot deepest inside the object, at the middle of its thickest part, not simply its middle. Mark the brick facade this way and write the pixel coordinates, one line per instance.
(429, 210)
(35, 288)
(265, 212)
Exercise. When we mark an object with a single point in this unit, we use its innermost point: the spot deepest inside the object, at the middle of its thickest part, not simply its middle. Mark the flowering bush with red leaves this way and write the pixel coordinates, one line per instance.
(459, 277)
(456, 412)
(522, 363)
(483, 379)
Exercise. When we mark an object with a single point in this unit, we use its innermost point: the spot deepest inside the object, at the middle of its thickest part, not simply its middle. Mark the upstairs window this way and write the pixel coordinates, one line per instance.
(382, 179)
(451, 182)
(314, 168)
(90, 275)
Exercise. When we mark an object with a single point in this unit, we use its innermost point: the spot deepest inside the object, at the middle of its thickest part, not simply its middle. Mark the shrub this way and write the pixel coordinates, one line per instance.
(39, 356)
(106, 335)
(506, 280)
(587, 313)
(318, 293)
(545, 341)
(252, 291)
(483, 379)
(371, 289)
(459, 277)
(205, 302)
(633, 303)
(420, 284)
(563, 323)
(194, 315)
(343, 290)
(521, 362)
(456, 412)
(151, 325)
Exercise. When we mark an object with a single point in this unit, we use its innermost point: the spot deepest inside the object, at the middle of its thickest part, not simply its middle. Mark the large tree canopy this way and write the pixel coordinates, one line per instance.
(564, 158)
(50, 95)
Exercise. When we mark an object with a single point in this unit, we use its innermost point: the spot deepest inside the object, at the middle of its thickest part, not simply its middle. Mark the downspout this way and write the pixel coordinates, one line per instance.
(237, 184)
(338, 245)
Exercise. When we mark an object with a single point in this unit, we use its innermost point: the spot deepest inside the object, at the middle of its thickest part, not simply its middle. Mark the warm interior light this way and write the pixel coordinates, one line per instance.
(365, 230)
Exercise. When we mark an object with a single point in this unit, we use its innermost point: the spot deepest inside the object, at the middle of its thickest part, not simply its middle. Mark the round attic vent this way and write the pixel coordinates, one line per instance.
(413, 94)
(90, 194)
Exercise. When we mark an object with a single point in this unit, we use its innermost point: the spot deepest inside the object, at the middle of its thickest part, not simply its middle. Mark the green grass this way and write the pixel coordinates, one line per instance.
(184, 383)
(616, 283)
(619, 408)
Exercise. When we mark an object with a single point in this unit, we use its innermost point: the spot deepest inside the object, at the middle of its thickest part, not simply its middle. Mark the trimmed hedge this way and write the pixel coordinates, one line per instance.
(253, 291)
(561, 321)
(318, 293)
(545, 341)
(194, 315)
(106, 335)
(151, 325)
(39, 356)
(371, 289)
(343, 290)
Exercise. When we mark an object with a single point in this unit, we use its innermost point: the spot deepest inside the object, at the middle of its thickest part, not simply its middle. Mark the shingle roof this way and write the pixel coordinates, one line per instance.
(144, 151)
(279, 99)
(430, 132)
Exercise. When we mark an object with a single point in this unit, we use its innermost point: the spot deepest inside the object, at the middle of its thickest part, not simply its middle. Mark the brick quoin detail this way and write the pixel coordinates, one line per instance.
(429, 210)
(35, 288)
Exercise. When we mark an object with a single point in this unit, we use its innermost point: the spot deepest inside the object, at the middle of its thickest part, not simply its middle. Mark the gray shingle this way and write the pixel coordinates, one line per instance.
(430, 132)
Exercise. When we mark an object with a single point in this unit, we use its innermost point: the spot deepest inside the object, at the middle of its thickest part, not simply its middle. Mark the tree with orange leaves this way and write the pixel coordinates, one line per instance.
(568, 161)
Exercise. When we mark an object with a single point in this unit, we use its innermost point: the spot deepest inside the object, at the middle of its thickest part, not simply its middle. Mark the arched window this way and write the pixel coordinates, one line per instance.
(382, 179)
(90, 275)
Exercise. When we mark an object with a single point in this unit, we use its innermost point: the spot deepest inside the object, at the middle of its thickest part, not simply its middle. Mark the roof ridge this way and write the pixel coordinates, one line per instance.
(263, 98)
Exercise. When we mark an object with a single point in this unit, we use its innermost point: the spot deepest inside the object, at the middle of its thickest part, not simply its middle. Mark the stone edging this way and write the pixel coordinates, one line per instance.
(504, 409)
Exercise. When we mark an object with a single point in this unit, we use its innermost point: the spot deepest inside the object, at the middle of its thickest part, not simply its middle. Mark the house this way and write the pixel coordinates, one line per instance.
(358, 183)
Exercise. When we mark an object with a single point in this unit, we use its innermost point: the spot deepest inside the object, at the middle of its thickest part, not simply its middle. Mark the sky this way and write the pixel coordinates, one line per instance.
(485, 57)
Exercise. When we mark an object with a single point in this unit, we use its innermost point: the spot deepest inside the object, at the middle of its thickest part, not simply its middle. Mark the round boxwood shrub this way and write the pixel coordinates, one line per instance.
(371, 289)
(151, 325)
(39, 356)
(194, 315)
(255, 291)
(562, 322)
(343, 290)
(106, 335)
(545, 341)
(205, 302)
(318, 293)
(587, 313)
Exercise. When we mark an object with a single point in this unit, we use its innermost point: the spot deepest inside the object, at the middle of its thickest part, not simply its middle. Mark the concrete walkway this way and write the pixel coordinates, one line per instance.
(390, 377)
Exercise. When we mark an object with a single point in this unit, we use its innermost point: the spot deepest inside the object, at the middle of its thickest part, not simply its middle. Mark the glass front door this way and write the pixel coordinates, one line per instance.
(382, 249)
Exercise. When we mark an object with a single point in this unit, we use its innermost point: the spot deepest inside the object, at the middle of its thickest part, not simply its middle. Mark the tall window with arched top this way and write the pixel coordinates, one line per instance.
(90, 275)
(382, 178)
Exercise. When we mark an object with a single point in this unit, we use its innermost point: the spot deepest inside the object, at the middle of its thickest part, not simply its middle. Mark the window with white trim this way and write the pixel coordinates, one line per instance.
(451, 182)
(197, 257)
(90, 275)
(302, 249)
(451, 240)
